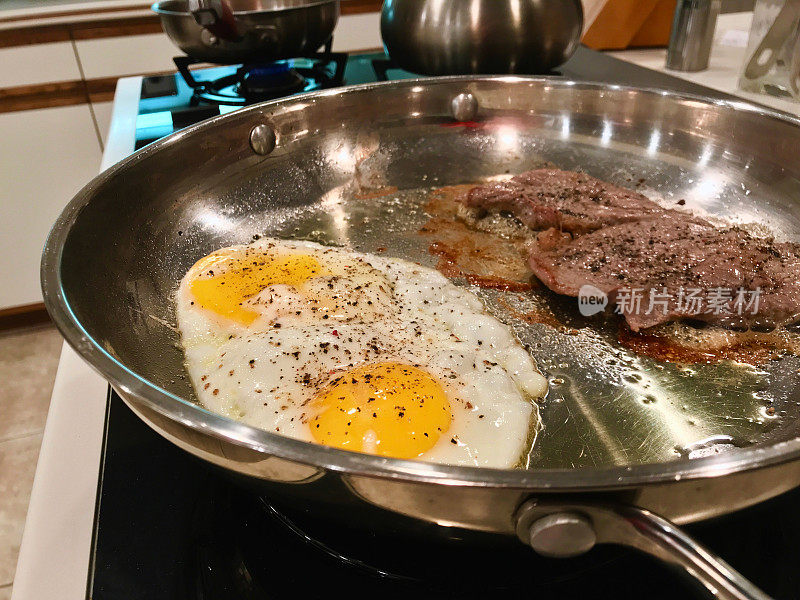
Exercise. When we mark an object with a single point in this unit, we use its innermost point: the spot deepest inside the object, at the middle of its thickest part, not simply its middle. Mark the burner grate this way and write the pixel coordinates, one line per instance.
(257, 82)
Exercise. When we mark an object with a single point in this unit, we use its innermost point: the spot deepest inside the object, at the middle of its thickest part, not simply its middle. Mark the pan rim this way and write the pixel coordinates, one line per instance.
(133, 387)
(157, 8)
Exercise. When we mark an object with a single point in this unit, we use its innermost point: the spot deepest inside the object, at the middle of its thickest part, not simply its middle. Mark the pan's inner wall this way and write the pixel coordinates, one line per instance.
(149, 222)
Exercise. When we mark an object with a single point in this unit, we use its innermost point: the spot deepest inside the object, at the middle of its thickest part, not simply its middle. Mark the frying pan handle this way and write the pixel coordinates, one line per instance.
(562, 530)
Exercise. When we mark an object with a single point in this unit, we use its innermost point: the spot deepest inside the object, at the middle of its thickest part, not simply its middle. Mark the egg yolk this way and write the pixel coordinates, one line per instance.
(224, 281)
(389, 409)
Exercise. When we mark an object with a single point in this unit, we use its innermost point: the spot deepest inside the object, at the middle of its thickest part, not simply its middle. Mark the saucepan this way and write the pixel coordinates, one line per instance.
(631, 447)
(237, 31)
(452, 37)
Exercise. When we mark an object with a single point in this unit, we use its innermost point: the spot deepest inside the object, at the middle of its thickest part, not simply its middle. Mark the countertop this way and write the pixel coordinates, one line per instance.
(725, 64)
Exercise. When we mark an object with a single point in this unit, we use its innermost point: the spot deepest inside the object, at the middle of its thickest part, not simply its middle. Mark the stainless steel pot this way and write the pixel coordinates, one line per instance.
(454, 37)
(604, 469)
(263, 30)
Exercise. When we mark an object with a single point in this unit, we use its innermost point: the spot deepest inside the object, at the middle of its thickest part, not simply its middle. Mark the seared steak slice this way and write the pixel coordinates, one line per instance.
(677, 268)
(566, 200)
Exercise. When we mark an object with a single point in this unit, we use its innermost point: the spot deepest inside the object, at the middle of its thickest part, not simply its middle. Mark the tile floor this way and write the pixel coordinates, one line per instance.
(28, 362)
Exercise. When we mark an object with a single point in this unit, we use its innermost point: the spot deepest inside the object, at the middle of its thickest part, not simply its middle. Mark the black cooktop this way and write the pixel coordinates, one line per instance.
(168, 103)
(170, 527)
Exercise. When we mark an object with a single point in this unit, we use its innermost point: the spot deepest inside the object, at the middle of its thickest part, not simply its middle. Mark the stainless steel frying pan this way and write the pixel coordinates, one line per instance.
(627, 442)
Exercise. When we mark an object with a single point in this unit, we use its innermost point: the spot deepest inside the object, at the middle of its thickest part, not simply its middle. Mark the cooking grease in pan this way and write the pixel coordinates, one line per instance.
(610, 402)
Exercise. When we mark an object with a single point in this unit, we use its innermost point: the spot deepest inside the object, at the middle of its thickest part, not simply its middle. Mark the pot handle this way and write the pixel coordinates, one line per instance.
(568, 529)
(216, 16)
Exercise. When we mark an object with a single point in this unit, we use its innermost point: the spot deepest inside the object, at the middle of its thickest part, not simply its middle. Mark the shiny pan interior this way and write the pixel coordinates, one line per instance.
(612, 420)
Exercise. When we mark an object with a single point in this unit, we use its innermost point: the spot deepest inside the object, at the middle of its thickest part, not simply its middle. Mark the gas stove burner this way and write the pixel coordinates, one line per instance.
(259, 82)
(270, 81)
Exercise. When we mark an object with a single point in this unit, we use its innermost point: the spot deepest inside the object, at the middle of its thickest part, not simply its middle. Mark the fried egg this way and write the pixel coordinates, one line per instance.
(355, 351)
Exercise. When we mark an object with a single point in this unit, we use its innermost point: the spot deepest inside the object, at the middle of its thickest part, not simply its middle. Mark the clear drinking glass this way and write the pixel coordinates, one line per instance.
(772, 63)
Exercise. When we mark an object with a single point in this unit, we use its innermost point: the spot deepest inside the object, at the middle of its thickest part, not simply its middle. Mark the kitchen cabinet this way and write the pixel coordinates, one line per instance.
(102, 116)
(37, 63)
(129, 55)
(358, 32)
(152, 53)
(46, 156)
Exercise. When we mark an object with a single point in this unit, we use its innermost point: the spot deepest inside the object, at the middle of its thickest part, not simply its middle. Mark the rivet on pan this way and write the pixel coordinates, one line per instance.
(262, 139)
(464, 107)
(208, 38)
(562, 535)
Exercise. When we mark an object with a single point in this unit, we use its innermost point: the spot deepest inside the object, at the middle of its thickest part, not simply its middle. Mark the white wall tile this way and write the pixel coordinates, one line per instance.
(38, 63)
(46, 156)
(131, 55)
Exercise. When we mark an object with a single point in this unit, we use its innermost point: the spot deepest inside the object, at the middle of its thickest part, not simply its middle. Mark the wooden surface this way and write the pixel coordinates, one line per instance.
(87, 9)
(60, 93)
(42, 95)
(86, 30)
(631, 23)
(23, 316)
(655, 31)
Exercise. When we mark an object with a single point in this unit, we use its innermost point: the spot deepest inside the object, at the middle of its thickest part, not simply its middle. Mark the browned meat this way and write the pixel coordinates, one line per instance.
(676, 268)
(657, 265)
(566, 200)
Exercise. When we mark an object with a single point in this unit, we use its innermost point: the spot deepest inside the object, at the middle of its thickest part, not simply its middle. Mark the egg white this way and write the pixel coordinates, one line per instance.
(387, 309)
